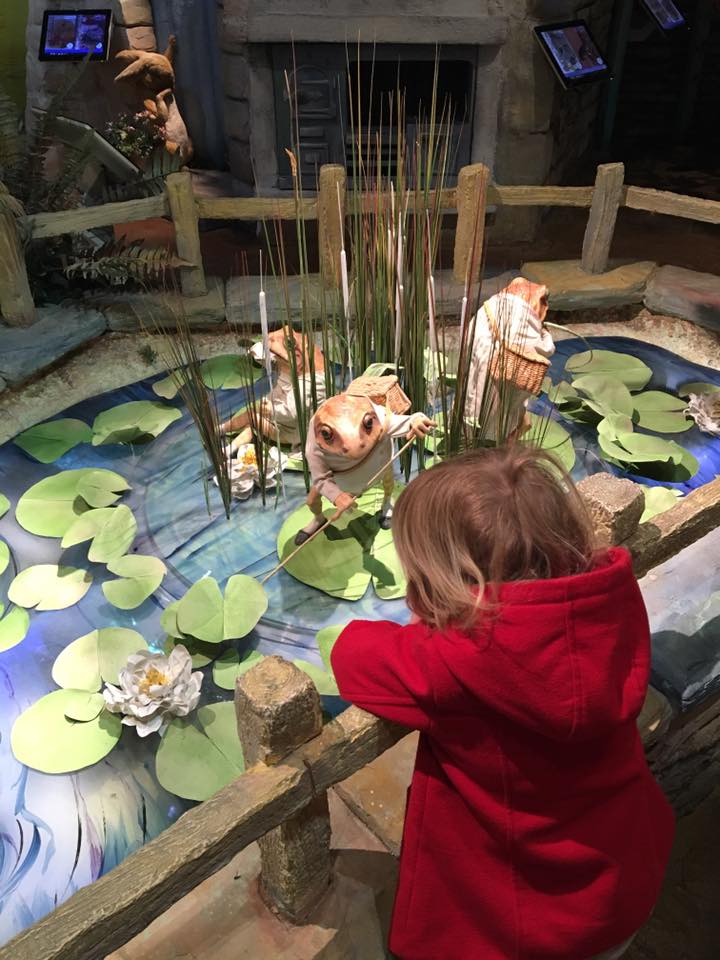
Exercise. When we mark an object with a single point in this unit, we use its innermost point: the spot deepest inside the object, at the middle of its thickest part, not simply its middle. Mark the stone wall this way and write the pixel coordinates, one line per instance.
(95, 99)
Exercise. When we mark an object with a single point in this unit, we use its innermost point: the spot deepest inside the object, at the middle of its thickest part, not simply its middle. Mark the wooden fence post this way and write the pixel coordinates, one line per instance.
(183, 211)
(471, 196)
(278, 709)
(603, 214)
(331, 221)
(16, 302)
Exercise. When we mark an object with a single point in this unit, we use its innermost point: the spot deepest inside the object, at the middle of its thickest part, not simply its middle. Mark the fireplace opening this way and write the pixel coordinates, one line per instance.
(318, 88)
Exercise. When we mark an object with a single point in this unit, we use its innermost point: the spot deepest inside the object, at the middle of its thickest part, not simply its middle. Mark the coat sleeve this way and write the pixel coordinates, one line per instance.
(383, 668)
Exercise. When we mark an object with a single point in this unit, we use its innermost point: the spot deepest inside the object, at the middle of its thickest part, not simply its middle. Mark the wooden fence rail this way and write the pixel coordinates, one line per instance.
(278, 710)
(469, 199)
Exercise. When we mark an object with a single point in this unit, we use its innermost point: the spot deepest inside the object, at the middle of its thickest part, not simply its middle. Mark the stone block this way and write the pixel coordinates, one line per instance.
(233, 25)
(615, 506)
(134, 13)
(571, 288)
(237, 120)
(26, 350)
(685, 293)
(132, 311)
(278, 709)
(236, 76)
(529, 85)
(240, 159)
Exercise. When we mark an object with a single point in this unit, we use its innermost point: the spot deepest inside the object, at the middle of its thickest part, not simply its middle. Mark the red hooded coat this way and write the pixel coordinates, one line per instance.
(534, 829)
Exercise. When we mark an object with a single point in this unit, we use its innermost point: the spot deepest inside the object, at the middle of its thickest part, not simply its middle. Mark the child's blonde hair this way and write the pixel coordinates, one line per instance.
(487, 517)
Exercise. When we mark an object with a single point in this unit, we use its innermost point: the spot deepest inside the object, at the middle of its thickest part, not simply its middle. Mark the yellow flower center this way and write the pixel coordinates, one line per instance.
(153, 678)
(248, 458)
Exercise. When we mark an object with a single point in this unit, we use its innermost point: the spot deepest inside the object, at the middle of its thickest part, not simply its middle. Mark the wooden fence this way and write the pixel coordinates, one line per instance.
(281, 799)
(473, 192)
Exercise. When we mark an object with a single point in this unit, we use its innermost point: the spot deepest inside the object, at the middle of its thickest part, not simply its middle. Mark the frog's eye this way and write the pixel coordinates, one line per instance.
(368, 422)
(327, 434)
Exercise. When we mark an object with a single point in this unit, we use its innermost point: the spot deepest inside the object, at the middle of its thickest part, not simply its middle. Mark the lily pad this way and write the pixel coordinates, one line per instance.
(229, 372)
(323, 679)
(48, 586)
(13, 628)
(4, 504)
(655, 410)
(201, 654)
(194, 762)
(231, 665)
(620, 366)
(245, 602)
(654, 457)
(551, 436)
(84, 710)
(562, 393)
(658, 500)
(4, 556)
(96, 656)
(200, 612)
(349, 554)
(135, 422)
(605, 395)
(44, 739)
(51, 506)
(111, 529)
(167, 388)
(140, 577)
(49, 441)
(697, 387)
(326, 641)
(168, 621)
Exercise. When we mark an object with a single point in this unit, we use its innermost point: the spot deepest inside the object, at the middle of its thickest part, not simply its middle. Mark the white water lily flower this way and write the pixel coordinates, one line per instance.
(244, 472)
(153, 689)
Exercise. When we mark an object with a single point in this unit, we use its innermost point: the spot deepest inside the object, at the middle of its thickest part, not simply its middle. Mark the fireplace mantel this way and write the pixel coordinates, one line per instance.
(279, 27)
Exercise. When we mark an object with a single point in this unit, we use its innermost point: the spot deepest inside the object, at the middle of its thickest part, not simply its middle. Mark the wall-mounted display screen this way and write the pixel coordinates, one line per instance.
(75, 34)
(665, 14)
(572, 52)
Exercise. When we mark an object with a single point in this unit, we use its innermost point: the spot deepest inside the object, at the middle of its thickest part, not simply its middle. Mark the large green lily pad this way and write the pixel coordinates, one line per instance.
(140, 576)
(200, 611)
(135, 422)
(655, 410)
(228, 667)
(51, 506)
(229, 372)
(323, 679)
(111, 529)
(620, 366)
(658, 500)
(325, 639)
(653, 457)
(44, 738)
(604, 394)
(167, 388)
(349, 554)
(96, 656)
(48, 586)
(13, 628)
(194, 762)
(245, 602)
(49, 441)
(551, 436)
(204, 614)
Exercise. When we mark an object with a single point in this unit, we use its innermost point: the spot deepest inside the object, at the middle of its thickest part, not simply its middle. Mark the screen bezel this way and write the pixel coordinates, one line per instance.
(668, 31)
(76, 57)
(595, 77)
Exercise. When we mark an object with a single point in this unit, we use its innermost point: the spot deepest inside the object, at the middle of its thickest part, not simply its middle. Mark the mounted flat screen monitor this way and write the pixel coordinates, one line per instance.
(75, 34)
(665, 14)
(572, 52)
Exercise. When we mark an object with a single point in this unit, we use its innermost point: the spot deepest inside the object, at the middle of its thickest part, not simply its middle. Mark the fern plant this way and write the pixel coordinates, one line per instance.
(119, 262)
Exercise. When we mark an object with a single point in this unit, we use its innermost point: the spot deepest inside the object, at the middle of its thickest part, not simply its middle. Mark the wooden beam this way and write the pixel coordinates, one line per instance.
(540, 196)
(254, 208)
(603, 214)
(184, 212)
(331, 221)
(672, 204)
(88, 218)
(16, 301)
(106, 914)
(471, 199)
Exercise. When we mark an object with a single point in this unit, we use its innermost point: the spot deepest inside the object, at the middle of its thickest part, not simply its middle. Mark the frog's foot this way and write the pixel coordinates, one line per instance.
(317, 523)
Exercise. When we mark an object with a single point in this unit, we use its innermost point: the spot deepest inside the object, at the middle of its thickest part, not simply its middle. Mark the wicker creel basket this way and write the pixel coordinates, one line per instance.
(384, 391)
(525, 370)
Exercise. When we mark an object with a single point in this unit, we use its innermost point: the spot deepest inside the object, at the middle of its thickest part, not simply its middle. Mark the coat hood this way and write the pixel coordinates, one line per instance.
(567, 658)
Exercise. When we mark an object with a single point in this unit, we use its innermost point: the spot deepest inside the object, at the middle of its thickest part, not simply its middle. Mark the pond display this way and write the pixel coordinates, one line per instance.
(114, 544)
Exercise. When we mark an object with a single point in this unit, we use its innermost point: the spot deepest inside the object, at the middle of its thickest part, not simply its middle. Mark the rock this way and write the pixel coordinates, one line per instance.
(615, 506)
(685, 293)
(571, 288)
(26, 350)
(133, 311)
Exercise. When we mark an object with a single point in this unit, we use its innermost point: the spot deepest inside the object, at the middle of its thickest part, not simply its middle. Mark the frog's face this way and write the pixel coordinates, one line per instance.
(534, 294)
(347, 426)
